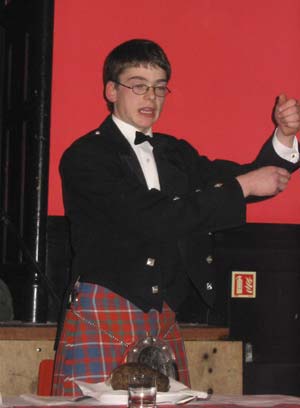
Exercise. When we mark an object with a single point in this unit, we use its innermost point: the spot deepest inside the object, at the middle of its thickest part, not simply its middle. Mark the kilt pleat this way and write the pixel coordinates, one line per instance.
(98, 329)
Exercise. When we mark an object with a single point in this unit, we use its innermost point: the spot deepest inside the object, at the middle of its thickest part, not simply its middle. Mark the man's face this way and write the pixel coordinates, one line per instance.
(140, 111)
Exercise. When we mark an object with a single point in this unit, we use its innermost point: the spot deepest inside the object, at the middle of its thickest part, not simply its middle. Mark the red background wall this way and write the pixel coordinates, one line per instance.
(230, 59)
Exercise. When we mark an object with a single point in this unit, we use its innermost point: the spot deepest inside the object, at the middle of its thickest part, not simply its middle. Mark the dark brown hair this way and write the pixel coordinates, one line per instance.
(133, 53)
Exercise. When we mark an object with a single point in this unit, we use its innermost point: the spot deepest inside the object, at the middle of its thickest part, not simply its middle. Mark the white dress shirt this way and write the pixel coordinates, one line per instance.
(144, 152)
(288, 153)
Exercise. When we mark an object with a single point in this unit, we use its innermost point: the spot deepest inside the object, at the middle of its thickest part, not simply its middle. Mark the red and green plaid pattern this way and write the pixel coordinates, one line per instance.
(98, 329)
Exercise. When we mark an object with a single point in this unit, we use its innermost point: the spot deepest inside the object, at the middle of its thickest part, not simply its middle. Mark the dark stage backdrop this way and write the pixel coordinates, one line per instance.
(230, 60)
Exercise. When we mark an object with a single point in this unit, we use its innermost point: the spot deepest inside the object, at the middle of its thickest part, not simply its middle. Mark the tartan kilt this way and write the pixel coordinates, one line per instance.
(98, 329)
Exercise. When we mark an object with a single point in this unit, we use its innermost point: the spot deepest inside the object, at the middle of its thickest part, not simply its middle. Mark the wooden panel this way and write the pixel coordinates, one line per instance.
(48, 332)
(27, 332)
(215, 366)
(193, 332)
(19, 363)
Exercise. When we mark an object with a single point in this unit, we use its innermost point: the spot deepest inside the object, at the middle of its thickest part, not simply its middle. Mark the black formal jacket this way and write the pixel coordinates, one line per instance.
(150, 245)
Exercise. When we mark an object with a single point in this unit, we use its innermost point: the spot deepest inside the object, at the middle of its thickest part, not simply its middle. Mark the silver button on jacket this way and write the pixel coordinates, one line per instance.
(150, 262)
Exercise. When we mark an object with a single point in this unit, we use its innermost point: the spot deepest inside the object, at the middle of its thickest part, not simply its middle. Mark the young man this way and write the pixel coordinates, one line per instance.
(143, 209)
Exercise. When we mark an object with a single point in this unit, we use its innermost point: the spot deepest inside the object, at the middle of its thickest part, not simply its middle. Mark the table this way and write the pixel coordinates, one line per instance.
(216, 401)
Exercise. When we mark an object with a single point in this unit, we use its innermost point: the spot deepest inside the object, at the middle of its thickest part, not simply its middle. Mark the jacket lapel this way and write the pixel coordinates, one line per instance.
(132, 162)
(119, 144)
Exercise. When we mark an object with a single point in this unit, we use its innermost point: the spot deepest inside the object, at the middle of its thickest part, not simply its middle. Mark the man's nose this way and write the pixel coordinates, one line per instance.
(150, 93)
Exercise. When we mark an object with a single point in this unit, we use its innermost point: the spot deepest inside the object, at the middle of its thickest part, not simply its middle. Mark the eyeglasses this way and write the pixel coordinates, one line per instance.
(142, 89)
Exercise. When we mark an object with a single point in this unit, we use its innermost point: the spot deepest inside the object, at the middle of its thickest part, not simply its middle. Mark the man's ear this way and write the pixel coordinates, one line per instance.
(111, 92)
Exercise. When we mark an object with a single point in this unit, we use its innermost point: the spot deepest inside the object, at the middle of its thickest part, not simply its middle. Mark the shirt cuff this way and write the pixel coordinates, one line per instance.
(290, 154)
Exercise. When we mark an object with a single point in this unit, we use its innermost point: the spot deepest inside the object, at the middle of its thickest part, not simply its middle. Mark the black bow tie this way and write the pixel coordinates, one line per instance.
(141, 138)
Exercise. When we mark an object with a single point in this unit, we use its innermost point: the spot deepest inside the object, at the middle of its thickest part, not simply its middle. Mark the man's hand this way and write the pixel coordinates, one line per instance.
(287, 117)
(266, 181)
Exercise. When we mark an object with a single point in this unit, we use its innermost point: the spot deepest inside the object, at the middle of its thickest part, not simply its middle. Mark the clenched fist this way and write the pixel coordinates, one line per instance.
(287, 117)
(266, 181)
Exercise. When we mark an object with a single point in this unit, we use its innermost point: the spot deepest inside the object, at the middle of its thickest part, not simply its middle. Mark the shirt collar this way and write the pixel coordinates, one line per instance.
(128, 130)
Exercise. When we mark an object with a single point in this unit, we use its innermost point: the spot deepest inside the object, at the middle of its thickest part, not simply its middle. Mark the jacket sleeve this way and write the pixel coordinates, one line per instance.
(222, 171)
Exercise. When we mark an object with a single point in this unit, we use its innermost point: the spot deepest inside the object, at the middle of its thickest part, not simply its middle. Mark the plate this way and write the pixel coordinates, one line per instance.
(105, 395)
